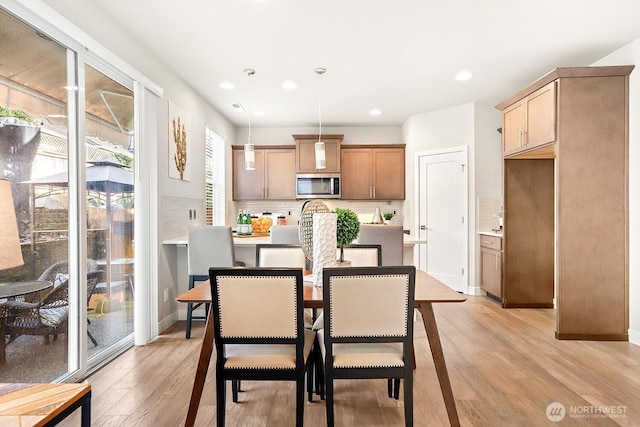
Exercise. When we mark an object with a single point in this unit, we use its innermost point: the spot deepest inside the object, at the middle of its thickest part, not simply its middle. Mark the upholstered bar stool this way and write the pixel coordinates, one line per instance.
(208, 246)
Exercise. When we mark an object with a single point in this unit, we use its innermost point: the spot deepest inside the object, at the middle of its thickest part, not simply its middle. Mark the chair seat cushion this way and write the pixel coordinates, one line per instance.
(364, 355)
(266, 356)
(53, 316)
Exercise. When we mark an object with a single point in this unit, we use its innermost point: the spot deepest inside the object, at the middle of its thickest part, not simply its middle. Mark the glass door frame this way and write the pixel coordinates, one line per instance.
(83, 50)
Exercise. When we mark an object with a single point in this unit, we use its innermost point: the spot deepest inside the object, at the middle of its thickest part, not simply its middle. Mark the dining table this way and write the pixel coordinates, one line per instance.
(428, 291)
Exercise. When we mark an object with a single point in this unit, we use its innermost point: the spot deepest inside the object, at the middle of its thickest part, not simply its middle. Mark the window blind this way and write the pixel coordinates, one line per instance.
(214, 178)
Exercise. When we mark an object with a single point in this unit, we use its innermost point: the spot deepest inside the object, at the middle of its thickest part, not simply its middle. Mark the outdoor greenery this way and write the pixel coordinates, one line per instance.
(21, 115)
(348, 228)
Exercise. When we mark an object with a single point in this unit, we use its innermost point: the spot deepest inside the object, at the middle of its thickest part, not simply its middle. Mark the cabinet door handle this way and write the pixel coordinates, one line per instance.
(370, 192)
(374, 191)
(524, 138)
(521, 133)
(496, 262)
(486, 242)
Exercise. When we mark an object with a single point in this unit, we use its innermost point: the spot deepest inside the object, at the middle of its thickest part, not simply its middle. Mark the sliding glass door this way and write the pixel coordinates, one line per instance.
(67, 153)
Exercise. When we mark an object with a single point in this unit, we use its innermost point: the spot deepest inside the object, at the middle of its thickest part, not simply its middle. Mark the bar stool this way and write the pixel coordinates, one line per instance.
(201, 253)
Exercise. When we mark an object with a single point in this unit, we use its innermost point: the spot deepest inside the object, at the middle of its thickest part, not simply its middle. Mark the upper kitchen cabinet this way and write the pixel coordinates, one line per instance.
(529, 122)
(273, 177)
(373, 172)
(306, 156)
(566, 220)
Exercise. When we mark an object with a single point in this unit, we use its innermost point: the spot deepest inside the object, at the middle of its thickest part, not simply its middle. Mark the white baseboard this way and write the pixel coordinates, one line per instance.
(474, 290)
(167, 321)
(634, 337)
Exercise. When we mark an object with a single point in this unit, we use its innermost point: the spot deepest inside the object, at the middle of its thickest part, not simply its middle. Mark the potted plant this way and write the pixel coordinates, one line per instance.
(348, 228)
(387, 216)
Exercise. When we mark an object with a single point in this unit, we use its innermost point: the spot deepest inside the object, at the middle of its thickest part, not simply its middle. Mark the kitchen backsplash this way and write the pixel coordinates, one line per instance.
(178, 214)
(291, 208)
(488, 211)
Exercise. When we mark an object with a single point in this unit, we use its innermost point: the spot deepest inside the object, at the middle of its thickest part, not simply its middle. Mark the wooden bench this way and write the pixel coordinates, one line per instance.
(43, 404)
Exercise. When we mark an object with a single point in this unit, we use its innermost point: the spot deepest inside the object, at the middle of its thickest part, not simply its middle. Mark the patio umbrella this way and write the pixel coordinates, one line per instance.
(106, 177)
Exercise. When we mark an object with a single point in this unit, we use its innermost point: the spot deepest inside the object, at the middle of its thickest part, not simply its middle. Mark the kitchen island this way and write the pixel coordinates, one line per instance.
(245, 247)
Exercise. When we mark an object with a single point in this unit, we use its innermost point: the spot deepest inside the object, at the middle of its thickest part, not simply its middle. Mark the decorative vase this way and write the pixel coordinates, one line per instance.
(324, 244)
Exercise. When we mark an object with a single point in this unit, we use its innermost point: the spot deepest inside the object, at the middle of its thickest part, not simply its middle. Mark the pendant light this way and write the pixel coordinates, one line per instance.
(249, 151)
(321, 160)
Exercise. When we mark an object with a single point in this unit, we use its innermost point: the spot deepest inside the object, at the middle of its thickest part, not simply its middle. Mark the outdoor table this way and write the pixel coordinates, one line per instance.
(14, 289)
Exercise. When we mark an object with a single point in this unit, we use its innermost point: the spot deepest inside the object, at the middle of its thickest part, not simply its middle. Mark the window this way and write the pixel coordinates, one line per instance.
(214, 180)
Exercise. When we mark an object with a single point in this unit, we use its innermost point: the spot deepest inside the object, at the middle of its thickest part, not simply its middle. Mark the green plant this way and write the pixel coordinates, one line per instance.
(348, 228)
(387, 215)
(21, 115)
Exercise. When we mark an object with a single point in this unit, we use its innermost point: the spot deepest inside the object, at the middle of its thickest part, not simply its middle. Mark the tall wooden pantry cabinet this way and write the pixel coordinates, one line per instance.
(565, 148)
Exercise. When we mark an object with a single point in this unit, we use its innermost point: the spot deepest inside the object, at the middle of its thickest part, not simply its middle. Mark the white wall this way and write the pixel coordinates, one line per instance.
(97, 24)
(450, 127)
(630, 54)
(352, 135)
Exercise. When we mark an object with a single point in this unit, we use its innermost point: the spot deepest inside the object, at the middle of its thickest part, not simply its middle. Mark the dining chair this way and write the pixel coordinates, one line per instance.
(284, 234)
(200, 241)
(358, 256)
(390, 237)
(249, 348)
(368, 328)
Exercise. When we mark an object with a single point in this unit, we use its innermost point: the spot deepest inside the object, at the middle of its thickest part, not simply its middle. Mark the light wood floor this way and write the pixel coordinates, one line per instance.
(505, 366)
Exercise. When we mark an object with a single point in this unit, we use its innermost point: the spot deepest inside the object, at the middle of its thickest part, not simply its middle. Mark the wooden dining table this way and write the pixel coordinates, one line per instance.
(428, 291)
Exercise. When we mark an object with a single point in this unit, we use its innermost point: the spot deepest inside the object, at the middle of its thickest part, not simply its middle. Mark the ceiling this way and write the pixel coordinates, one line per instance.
(397, 56)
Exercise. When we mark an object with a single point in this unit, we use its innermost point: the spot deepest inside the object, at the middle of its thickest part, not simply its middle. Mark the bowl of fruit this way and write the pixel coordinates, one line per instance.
(261, 224)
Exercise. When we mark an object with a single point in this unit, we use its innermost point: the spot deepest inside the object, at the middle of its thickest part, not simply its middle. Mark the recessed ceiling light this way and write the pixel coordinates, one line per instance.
(238, 108)
(463, 76)
(258, 113)
(227, 86)
(375, 112)
(289, 85)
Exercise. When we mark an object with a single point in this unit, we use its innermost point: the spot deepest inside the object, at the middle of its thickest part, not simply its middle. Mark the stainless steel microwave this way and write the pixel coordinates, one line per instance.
(317, 186)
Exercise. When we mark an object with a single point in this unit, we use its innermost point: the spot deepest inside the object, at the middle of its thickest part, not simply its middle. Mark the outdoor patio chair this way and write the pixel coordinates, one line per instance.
(48, 317)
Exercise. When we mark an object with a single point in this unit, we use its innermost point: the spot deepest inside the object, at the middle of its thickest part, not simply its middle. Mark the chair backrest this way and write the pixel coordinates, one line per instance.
(62, 267)
(370, 304)
(243, 298)
(280, 255)
(209, 246)
(363, 255)
(390, 237)
(285, 234)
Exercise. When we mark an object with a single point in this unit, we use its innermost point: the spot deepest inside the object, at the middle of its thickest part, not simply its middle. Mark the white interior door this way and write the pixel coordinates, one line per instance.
(442, 215)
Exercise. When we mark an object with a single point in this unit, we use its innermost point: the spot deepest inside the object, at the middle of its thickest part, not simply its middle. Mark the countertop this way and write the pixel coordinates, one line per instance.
(491, 233)
(254, 240)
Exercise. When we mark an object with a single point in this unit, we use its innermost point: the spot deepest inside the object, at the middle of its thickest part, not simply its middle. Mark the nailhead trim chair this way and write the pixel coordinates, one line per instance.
(368, 328)
(247, 346)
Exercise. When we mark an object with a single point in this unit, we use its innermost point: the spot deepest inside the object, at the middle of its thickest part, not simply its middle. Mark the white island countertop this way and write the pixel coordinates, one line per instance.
(254, 240)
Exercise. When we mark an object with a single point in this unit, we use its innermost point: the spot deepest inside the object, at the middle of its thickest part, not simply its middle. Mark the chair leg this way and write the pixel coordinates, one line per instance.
(390, 387)
(396, 389)
(408, 397)
(300, 401)
(234, 390)
(220, 399)
(189, 314)
(328, 391)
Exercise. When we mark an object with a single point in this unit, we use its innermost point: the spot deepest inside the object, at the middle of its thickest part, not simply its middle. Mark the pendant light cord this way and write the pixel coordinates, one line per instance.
(249, 72)
(320, 72)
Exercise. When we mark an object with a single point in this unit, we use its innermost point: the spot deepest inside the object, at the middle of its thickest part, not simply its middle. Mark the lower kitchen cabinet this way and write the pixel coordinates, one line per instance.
(274, 176)
(491, 264)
